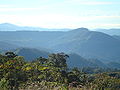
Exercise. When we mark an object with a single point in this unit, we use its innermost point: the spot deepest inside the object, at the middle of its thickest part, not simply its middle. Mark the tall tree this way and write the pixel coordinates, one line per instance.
(58, 60)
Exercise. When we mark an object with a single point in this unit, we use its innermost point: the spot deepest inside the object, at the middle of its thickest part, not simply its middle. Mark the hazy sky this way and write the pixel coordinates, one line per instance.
(61, 13)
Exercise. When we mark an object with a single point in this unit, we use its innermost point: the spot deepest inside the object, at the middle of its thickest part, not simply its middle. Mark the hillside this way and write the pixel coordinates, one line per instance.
(117, 37)
(31, 53)
(76, 60)
(88, 44)
(30, 38)
(7, 46)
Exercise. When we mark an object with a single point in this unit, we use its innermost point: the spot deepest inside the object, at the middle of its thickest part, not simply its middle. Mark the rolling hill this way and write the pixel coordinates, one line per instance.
(76, 60)
(31, 53)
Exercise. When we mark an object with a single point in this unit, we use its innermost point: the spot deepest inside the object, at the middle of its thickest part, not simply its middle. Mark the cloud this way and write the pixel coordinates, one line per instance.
(96, 3)
(17, 9)
(54, 6)
(109, 25)
(62, 21)
(4, 6)
(88, 2)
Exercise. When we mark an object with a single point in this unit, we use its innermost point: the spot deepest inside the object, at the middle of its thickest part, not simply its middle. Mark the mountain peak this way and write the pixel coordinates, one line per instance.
(8, 25)
(82, 28)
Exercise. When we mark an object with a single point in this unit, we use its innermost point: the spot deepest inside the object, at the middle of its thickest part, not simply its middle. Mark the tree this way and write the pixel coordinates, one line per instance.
(58, 60)
(10, 54)
(41, 60)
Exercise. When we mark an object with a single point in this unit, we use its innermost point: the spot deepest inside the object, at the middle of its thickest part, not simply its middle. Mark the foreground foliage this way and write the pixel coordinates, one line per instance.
(52, 73)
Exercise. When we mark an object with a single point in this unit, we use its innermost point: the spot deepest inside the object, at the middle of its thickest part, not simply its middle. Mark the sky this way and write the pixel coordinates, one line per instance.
(61, 13)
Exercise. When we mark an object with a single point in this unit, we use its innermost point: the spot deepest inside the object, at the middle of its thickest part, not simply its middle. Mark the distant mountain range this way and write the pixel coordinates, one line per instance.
(113, 31)
(12, 27)
(85, 47)
(117, 37)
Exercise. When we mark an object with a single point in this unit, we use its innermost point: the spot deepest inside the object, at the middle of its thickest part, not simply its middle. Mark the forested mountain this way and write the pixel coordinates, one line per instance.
(30, 38)
(81, 41)
(7, 46)
(89, 44)
(30, 53)
(76, 60)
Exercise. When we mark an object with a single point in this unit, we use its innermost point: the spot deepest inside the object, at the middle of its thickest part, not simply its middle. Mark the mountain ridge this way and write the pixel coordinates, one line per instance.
(13, 27)
(82, 41)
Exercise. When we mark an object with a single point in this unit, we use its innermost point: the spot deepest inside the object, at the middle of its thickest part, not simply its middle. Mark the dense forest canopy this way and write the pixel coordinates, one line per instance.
(53, 73)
